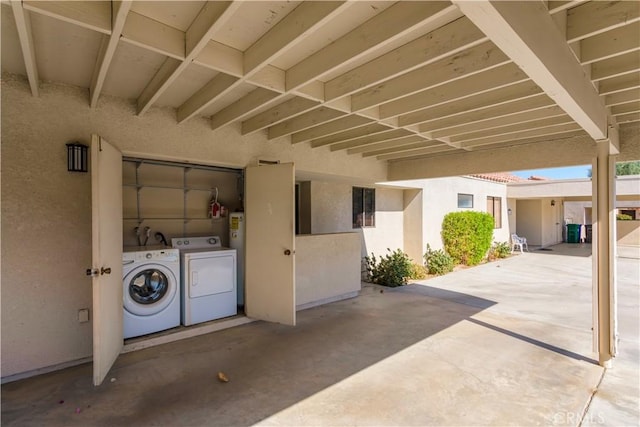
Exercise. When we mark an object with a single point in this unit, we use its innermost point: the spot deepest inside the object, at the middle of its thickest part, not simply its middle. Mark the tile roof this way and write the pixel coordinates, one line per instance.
(503, 177)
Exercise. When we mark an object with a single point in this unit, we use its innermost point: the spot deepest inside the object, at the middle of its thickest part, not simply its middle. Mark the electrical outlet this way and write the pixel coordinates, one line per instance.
(83, 315)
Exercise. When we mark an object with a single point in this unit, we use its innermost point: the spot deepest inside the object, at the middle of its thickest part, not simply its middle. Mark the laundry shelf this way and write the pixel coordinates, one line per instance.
(164, 187)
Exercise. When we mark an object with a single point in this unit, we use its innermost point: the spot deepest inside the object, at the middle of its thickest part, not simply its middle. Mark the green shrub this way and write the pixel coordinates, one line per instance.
(623, 217)
(467, 236)
(499, 250)
(438, 262)
(418, 271)
(392, 270)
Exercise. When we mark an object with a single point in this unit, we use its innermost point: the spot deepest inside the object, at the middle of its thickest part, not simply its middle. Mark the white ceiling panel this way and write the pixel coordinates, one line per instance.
(252, 20)
(176, 14)
(131, 69)
(64, 53)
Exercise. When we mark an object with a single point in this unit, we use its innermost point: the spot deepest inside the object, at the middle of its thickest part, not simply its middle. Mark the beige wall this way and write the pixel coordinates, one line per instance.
(327, 268)
(441, 197)
(413, 225)
(46, 226)
(528, 221)
(628, 233)
(389, 230)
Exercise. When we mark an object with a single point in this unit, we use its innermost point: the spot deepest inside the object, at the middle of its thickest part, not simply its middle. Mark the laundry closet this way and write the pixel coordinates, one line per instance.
(178, 268)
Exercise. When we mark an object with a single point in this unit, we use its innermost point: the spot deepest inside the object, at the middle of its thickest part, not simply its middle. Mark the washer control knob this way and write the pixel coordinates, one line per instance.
(186, 242)
(148, 255)
(212, 241)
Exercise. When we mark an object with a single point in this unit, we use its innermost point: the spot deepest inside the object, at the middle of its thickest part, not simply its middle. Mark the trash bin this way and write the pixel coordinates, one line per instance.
(589, 233)
(573, 233)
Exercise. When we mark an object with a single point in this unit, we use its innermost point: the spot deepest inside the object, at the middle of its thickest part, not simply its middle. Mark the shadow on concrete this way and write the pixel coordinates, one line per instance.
(270, 366)
(536, 342)
(566, 249)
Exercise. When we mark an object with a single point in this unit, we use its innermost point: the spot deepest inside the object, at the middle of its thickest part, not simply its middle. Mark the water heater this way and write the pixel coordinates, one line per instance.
(236, 241)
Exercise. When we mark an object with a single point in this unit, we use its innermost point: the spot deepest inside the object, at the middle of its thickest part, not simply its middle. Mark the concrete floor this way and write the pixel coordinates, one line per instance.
(505, 343)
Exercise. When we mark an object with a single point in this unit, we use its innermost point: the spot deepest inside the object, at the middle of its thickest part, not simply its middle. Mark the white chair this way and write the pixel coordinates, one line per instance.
(518, 241)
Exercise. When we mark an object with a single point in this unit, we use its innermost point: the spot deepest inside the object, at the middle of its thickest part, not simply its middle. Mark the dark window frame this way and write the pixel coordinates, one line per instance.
(363, 207)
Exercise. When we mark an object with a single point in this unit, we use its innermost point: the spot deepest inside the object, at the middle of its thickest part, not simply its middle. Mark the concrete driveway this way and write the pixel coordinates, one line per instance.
(505, 343)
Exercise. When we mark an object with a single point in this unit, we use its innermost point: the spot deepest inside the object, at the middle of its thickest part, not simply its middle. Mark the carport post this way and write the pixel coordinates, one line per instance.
(604, 249)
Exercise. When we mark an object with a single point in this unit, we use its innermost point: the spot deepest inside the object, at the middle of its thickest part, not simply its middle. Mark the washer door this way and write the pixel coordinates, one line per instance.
(149, 289)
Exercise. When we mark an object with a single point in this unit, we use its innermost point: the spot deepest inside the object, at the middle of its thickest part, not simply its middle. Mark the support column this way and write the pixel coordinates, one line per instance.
(604, 250)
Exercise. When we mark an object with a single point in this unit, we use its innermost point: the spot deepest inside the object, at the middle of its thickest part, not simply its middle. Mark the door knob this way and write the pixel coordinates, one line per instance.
(287, 252)
(104, 270)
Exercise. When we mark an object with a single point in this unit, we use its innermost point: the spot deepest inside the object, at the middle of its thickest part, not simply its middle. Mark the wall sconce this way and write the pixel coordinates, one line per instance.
(553, 202)
(77, 157)
(509, 211)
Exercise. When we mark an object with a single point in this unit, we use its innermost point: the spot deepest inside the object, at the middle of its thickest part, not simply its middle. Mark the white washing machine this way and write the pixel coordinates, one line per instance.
(151, 289)
(209, 279)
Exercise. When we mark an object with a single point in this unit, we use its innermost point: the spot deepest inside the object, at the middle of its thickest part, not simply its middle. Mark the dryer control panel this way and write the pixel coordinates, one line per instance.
(203, 242)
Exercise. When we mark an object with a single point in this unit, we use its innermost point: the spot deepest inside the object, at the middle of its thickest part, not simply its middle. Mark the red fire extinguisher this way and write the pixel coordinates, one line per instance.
(214, 206)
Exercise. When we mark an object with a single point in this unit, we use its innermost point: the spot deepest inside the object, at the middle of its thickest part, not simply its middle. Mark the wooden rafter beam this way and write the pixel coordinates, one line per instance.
(595, 17)
(108, 49)
(23, 25)
(447, 40)
(388, 135)
(395, 21)
(212, 15)
(528, 35)
(331, 128)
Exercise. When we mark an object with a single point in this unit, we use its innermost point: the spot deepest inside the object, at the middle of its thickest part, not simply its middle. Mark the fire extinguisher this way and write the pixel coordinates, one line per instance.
(214, 206)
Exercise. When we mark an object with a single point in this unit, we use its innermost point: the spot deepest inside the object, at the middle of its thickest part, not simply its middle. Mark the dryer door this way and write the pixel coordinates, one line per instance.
(210, 275)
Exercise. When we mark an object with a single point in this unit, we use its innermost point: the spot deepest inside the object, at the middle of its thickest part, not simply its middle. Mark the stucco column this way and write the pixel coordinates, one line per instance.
(604, 251)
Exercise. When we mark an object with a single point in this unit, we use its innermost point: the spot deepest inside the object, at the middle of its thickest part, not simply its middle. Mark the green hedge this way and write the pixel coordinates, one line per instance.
(467, 236)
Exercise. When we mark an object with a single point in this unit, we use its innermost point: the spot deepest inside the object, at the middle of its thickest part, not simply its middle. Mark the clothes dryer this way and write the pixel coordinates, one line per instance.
(151, 289)
(208, 280)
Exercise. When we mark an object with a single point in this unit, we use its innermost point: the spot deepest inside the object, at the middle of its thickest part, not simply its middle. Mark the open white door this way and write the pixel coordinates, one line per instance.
(270, 243)
(106, 262)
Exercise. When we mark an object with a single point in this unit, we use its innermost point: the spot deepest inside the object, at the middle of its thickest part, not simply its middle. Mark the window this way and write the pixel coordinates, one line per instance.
(465, 200)
(494, 207)
(364, 207)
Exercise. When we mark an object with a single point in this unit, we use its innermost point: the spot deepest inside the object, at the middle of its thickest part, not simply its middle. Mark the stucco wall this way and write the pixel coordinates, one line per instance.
(327, 267)
(528, 221)
(441, 197)
(628, 233)
(46, 241)
(389, 230)
(413, 225)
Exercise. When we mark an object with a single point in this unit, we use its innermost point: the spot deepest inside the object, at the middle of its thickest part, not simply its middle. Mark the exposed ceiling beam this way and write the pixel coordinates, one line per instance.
(596, 17)
(616, 66)
(212, 15)
(252, 101)
(556, 6)
(512, 128)
(291, 30)
(23, 25)
(416, 153)
(485, 81)
(393, 144)
(404, 148)
(388, 135)
(94, 15)
(330, 128)
(500, 96)
(444, 41)
(155, 36)
(304, 121)
(612, 43)
(279, 113)
(305, 18)
(544, 131)
(108, 49)
(383, 28)
(350, 134)
(528, 35)
(466, 124)
(619, 84)
(472, 61)
(622, 97)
